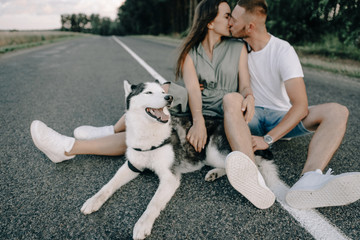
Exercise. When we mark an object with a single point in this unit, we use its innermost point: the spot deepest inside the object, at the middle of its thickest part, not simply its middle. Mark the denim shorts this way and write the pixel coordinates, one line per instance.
(266, 119)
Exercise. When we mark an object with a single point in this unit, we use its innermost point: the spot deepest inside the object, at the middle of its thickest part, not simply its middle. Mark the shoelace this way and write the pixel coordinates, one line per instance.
(329, 172)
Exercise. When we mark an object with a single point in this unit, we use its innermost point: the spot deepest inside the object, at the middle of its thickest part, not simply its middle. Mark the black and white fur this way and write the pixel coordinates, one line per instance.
(168, 160)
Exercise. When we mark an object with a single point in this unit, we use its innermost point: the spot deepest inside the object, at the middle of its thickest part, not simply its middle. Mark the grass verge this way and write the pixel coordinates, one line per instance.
(11, 41)
(331, 55)
(345, 67)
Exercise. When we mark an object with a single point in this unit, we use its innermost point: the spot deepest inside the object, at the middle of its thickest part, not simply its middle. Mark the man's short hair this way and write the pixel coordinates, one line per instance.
(254, 6)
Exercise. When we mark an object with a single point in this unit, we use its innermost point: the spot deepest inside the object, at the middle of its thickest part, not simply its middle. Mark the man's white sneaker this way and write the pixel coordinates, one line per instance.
(245, 177)
(90, 132)
(315, 190)
(50, 142)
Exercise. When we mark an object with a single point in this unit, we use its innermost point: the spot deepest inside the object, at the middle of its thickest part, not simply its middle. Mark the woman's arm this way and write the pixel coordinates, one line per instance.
(197, 134)
(248, 105)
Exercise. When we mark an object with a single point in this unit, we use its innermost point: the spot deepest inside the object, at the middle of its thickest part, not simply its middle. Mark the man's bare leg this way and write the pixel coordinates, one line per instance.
(329, 123)
(315, 189)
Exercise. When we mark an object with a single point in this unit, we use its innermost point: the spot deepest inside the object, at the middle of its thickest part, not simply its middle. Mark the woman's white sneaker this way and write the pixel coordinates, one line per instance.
(245, 177)
(90, 132)
(315, 190)
(50, 142)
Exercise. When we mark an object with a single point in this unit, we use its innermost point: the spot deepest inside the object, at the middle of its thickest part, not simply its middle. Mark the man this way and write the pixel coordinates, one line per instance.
(282, 111)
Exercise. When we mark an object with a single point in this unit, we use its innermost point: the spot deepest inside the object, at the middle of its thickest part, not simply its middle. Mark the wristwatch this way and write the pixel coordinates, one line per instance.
(268, 139)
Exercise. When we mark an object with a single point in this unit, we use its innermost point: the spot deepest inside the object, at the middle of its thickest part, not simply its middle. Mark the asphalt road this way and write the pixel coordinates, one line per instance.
(80, 81)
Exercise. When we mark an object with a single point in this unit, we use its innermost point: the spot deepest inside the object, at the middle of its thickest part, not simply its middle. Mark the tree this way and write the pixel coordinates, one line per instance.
(74, 23)
(65, 22)
(95, 23)
(153, 16)
(105, 27)
(82, 22)
(346, 21)
(310, 21)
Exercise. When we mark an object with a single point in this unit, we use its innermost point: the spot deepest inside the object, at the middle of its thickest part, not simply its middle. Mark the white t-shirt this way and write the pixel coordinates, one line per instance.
(269, 69)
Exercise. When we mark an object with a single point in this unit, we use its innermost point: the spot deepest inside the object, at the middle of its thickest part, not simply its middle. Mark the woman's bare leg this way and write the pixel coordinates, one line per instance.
(113, 145)
(120, 125)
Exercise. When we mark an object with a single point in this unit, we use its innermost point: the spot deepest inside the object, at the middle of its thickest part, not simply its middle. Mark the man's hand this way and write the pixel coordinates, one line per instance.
(259, 143)
(248, 107)
(197, 136)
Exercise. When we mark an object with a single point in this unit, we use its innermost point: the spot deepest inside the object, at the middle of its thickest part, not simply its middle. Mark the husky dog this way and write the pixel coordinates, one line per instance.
(157, 142)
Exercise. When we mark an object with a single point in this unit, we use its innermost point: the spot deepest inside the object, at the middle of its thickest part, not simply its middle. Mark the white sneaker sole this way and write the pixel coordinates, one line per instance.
(34, 129)
(338, 191)
(243, 176)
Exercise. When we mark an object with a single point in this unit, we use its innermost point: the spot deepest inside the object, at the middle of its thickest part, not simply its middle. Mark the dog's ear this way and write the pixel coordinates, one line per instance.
(158, 82)
(127, 88)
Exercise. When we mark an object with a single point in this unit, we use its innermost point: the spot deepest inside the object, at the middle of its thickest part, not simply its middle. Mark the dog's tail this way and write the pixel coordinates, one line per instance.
(269, 171)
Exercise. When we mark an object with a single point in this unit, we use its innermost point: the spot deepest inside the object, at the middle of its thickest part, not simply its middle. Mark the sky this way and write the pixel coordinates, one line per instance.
(45, 14)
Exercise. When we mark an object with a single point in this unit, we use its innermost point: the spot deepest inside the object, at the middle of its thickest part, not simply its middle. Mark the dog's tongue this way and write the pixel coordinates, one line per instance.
(159, 113)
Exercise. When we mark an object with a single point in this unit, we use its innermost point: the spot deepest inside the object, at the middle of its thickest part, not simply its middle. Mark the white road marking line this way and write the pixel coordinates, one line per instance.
(310, 219)
(152, 72)
(316, 224)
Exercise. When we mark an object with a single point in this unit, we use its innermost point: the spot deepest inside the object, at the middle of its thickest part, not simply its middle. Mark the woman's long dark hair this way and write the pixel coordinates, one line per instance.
(205, 12)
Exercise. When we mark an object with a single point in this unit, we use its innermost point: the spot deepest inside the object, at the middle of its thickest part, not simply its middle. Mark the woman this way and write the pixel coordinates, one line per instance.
(220, 65)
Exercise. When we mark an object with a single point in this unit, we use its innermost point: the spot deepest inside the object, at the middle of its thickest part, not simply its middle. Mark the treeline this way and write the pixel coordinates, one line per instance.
(156, 16)
(89, 24)
(296, 21)
(312, 20)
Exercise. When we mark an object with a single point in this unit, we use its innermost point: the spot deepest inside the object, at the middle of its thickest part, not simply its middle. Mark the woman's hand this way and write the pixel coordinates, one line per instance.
(197, 135)
(248, 107)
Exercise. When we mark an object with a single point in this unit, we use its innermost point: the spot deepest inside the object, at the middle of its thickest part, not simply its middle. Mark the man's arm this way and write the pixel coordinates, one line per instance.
(296, 91)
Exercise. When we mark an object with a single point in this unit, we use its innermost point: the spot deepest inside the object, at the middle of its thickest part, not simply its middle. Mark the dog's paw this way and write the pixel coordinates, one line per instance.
(91, 205)
(142, 229)
(214, 174)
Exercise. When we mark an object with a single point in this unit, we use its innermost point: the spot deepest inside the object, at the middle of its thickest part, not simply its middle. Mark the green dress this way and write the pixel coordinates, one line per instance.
(219, 76)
